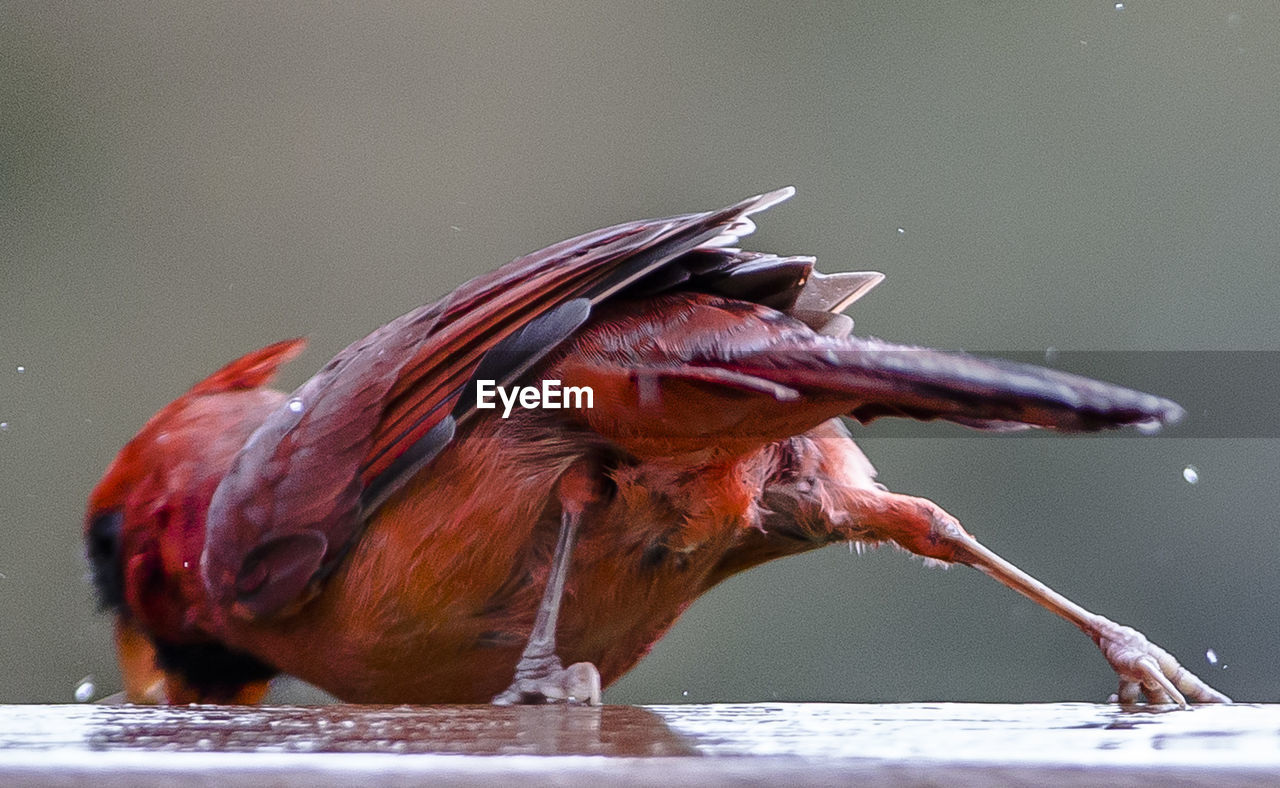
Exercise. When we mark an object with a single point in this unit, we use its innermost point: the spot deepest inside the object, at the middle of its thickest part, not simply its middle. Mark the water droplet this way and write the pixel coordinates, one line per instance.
(85, 689)
(1191, 475)
(685, 693)
(1050, 354)
(21, 369)
(1211, 656)
(1149, 427)
(4, 426)
(902, 231)
(1233, 19)
(1119, 6)
(295, 405)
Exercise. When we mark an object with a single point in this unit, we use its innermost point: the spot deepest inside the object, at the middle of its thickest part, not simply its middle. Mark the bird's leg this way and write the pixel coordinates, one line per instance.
(540, 677)
(922, 527)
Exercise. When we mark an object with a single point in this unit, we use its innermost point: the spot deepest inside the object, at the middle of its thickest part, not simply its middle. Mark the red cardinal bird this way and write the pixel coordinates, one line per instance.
(546, 467)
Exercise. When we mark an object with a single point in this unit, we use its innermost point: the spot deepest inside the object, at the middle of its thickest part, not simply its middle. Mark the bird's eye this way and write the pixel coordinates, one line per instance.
(103, 548)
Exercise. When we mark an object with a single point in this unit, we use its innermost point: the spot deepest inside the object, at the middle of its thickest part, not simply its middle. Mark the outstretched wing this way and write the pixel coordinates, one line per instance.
(299, 491)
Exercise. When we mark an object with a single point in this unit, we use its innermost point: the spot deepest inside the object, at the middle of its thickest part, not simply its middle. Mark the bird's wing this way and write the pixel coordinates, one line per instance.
(300, 490)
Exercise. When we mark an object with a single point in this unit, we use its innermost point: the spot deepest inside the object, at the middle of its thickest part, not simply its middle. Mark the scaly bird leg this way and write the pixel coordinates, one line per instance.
(1144, 668)
(922, 527)
(540, 676)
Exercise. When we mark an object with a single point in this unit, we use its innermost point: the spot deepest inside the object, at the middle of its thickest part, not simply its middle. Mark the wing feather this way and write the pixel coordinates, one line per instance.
(300, 490)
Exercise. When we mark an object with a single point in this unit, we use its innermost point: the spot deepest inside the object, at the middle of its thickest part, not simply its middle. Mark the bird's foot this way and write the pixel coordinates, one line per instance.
(544, 680)
(1148, 671)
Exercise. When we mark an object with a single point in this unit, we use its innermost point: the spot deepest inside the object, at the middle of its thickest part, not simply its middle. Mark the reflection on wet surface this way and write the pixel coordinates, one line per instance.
(482, 730)
(1049, 744)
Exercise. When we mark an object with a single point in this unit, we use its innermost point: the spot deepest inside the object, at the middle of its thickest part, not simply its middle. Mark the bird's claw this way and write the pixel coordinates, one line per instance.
(1148, 671)
(548, 682)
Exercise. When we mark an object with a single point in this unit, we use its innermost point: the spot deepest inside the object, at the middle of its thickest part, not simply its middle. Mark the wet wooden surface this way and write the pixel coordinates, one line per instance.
(791, 744)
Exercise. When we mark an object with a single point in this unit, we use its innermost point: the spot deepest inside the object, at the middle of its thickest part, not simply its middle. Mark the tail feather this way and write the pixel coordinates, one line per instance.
(705, 371)
(882, 379)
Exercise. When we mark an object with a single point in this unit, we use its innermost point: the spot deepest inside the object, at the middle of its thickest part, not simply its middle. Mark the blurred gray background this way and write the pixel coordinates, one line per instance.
(180, 184)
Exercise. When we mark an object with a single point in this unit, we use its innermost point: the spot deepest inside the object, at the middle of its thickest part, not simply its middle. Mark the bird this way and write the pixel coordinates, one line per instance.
(510, 495)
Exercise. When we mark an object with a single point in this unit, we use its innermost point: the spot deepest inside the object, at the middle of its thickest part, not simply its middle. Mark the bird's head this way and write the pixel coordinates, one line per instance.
(144, 524)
